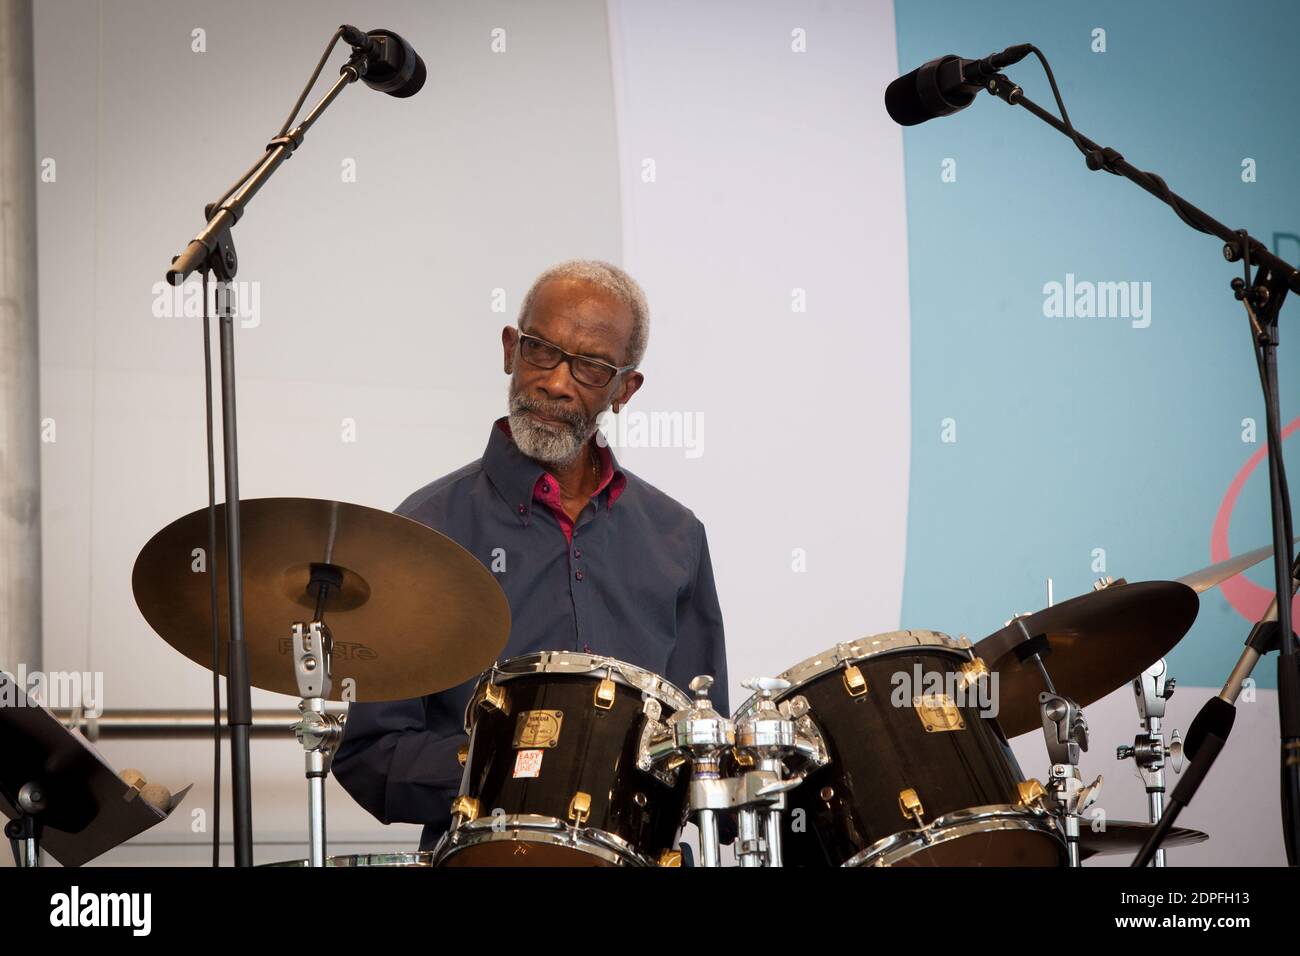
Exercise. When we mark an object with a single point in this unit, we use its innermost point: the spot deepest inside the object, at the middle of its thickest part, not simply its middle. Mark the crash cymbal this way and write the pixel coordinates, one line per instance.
(1216, 574)
(1092, 644)
(1126, 837)
(415, 613)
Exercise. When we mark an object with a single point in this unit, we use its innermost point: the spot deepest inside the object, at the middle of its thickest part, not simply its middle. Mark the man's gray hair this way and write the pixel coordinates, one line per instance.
(611, 279)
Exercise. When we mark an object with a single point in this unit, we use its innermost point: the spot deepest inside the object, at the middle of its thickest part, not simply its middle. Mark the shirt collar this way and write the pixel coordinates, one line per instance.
(515, 476)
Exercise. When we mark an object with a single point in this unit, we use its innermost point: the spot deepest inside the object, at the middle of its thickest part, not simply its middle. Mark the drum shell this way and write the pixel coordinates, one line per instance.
(878, 749)
(595, 753)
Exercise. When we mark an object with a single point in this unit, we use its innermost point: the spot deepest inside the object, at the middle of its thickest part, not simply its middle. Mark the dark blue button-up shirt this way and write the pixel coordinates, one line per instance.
(634, 584)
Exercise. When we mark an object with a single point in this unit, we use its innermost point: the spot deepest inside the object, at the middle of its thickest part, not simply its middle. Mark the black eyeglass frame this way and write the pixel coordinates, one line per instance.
(614, 370)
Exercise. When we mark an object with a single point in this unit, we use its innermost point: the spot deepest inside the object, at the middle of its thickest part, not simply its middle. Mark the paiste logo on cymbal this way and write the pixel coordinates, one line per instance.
(339, 650)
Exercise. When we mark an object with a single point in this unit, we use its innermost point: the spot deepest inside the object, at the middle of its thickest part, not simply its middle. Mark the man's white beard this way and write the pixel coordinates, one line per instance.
(556, 445)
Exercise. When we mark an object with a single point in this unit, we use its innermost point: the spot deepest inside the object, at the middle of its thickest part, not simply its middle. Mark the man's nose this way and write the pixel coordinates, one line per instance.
(558, 384)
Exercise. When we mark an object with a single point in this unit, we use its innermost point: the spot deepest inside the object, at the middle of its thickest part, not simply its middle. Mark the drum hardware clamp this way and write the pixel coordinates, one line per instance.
(1151, 689)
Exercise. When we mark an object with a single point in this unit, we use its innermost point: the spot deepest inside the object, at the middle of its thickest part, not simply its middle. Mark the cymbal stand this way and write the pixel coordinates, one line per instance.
(317, 731)
(1066, 733)
(1151, 689)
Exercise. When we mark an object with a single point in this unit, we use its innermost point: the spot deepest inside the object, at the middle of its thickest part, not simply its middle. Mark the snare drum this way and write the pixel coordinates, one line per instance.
(919, 774)
(557, 771)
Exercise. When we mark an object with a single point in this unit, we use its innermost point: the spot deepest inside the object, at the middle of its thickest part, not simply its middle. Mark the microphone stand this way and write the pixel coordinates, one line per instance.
(213, 251)
(1263, 297)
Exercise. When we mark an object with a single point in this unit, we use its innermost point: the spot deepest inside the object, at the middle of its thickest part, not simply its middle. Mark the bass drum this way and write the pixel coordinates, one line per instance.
(918, 773)
(557, 771)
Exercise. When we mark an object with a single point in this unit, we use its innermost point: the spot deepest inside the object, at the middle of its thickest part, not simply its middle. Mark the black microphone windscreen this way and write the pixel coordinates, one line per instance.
(1216, 717)
(393, 66)
(416, 82)
(903, 102)
(933, 89)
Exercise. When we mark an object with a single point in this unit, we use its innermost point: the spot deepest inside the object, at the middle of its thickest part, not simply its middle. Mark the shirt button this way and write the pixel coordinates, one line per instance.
(578, 575)
(577, 553)
(522, 509)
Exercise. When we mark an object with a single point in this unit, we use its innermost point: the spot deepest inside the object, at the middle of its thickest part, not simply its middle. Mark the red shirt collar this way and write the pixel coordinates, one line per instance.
(611, 476)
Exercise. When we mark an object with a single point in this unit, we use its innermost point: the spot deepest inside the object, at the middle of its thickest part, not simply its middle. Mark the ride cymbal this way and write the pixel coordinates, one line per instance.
(1090, 645)
(414, 612)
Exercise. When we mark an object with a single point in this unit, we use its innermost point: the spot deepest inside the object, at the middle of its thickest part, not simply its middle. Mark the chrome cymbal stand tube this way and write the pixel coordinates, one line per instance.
(318, 732)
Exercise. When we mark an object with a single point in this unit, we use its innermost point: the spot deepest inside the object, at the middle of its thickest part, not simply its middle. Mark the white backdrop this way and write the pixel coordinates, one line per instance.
(376, 300)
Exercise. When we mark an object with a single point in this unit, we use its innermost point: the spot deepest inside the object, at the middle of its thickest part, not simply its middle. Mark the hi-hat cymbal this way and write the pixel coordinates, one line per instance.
(1092, 645)
(1123, 836)
(1216, 574)
(415, 614)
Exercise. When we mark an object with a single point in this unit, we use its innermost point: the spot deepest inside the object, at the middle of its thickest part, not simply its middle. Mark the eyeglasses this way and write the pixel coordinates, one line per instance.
(588, 371)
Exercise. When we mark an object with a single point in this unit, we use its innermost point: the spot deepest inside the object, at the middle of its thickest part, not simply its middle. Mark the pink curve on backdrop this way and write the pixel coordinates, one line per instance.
(1246, 597)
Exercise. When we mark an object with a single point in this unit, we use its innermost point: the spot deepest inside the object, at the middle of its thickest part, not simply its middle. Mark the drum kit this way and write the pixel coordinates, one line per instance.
(889, 750)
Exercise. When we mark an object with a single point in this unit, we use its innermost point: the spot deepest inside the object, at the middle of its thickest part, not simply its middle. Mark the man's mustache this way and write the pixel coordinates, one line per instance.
(524, 403)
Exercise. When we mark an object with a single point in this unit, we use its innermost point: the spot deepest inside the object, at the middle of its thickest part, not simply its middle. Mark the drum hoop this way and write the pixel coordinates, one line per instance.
(952, 826)
(852, 652)
(395, 858)
(538, 829)
(578, 664)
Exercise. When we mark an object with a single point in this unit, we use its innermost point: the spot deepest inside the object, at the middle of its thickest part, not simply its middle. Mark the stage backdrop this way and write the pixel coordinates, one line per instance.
(872, 372)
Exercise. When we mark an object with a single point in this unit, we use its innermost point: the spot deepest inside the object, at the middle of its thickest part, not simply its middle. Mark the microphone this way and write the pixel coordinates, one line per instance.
(391, 66)
(945, 85)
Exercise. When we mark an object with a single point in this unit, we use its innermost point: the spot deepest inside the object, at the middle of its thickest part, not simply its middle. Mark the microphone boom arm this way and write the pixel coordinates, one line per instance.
(221, 218)
(1104, 157)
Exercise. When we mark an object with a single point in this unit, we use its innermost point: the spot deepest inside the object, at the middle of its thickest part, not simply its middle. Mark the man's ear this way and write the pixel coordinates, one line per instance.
(508, 339)
(629, 388)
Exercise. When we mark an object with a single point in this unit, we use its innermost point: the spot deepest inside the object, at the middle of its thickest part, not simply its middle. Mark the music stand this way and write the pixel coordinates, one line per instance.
(59, 792)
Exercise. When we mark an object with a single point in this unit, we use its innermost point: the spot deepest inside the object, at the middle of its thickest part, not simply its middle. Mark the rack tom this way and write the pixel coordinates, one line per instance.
(919, 772)
(556, 769)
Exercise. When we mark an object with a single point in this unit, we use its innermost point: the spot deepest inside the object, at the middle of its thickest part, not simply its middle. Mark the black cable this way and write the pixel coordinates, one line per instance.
(312, 82)
(1060, 103)
(1273, 412)
(302, 98)
(211, 565)
(1102, 158)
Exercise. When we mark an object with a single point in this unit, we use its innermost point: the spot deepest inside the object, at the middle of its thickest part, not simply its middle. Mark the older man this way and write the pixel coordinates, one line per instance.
(595, 559)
